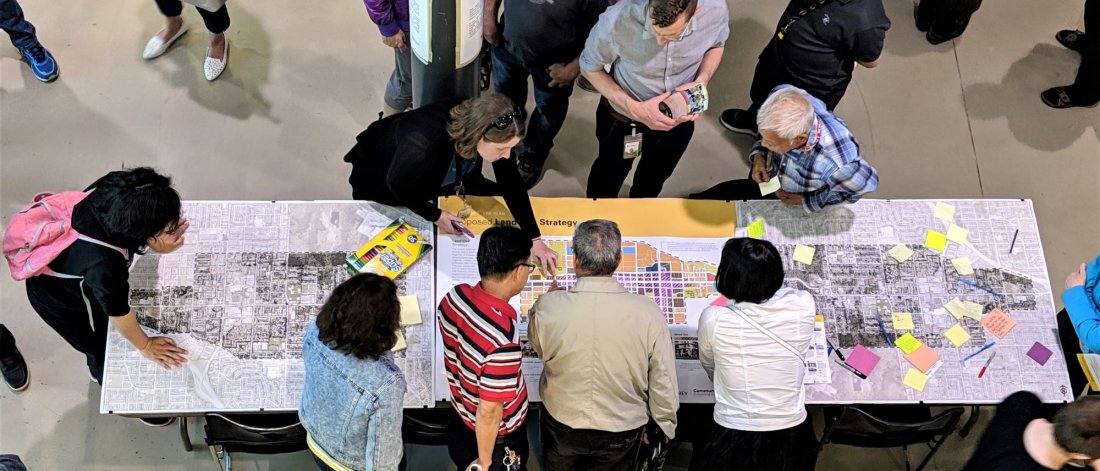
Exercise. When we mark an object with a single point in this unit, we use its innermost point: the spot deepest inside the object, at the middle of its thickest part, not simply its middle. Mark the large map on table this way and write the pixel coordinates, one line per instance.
(852, 277)
(672, 260)
(239, 295)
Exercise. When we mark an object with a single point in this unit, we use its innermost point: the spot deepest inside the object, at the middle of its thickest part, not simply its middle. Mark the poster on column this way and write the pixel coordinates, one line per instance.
(420, 29)
(672, 259)
(469, 31)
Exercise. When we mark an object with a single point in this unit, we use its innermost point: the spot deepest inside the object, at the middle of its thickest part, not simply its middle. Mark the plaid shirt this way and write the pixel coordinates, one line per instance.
(828, 170)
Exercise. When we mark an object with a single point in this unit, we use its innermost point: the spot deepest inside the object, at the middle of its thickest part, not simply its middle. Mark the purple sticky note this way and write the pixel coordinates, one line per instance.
(1039, 353)
(863, 360)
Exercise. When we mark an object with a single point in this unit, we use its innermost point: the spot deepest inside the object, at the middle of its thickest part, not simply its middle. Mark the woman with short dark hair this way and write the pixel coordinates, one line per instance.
(409, 159)
(753, 348)
(127, 212)
(354, 392)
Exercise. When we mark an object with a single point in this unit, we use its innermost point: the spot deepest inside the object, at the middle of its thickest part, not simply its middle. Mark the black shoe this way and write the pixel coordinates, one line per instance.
(13, 367)
(923, 21)
(739, 121)
(1058, 97)
(1070, 38)
(157, 421)
(530, 168)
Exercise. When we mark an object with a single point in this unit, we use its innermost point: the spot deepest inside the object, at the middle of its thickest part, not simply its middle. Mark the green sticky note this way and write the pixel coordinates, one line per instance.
(756, 229)
(936, 241)
(908, 343)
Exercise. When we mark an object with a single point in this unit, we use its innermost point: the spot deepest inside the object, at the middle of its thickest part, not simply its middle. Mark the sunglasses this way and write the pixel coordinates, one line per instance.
(508, 118)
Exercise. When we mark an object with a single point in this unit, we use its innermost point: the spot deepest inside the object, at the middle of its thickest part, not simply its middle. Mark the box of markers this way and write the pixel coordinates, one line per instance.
(390, 252)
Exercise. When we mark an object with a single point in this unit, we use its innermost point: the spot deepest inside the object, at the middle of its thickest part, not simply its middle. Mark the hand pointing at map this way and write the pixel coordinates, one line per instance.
(546, 257)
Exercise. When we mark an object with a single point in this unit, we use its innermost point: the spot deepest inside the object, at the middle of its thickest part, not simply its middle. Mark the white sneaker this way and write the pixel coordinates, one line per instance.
(214, 67)
(157, 46)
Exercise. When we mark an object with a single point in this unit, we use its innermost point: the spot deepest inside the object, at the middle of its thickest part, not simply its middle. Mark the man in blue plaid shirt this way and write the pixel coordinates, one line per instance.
(811, 150)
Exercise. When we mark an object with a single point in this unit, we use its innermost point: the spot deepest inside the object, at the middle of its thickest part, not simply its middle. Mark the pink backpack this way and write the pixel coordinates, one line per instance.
(36, 235)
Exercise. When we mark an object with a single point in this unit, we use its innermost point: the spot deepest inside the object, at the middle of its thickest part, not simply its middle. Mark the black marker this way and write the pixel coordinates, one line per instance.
(1013, 245)
(853, 370)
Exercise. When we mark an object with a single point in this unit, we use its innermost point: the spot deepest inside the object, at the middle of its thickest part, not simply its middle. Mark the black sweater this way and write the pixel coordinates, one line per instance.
(403, 159)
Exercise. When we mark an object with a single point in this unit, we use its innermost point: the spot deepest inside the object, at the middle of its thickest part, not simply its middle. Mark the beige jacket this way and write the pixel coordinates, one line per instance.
(607, 357)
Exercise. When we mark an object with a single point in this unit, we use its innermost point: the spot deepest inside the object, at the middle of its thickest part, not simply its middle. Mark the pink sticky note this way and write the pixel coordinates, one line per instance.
(721, 301)
(1039, 353)
(923, 358)
(863, 360)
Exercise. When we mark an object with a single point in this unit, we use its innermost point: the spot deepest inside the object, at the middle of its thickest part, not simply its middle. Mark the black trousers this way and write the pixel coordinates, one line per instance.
(87, 336)
(462, 446)
(661, 151)
(946, 19)
(1086, 87)
(770, 73)
(567, 449)
(1071, 346)
(216, 22)
(792, 449)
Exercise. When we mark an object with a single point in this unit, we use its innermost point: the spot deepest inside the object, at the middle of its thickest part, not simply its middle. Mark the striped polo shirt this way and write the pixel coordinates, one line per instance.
(482, 355)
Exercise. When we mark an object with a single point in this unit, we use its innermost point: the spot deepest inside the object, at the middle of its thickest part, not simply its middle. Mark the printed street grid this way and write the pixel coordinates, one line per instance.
(852, 274)
(239, 296)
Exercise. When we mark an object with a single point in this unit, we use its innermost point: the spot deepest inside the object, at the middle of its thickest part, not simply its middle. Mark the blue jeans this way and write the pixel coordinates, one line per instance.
(20, 31)
(551, 103)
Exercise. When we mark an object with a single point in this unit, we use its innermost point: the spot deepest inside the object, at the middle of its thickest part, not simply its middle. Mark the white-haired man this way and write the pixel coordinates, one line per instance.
(811, 150)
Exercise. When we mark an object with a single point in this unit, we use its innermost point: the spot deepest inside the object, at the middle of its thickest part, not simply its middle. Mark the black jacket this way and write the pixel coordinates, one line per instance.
(403, 159)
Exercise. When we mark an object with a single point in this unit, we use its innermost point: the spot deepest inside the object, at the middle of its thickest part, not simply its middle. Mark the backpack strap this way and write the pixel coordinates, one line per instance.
(125, 253)
(765, 331)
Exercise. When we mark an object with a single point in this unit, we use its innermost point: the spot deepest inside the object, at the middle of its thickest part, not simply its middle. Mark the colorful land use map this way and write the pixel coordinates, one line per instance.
(239, 295)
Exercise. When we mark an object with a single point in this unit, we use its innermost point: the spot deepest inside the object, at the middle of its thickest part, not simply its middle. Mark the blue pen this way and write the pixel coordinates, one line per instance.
(882, 327)
(975, 285)
(980, 350)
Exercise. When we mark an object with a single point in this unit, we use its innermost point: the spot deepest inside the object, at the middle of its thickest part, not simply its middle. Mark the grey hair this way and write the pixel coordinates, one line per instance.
(788, 113)
(597, 244)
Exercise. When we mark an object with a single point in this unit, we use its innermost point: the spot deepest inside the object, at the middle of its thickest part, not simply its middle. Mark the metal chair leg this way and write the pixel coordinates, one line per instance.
(975, 413)
(186, 437)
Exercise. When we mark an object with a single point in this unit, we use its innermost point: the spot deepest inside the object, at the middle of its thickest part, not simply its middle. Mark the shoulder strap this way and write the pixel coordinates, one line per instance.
(125, 253)
(767, 332)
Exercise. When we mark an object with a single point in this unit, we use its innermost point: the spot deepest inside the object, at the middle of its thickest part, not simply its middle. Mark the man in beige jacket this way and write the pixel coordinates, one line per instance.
(608, 363)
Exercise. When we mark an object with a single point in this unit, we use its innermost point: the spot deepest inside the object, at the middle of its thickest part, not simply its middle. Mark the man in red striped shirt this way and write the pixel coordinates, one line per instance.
(483, 357)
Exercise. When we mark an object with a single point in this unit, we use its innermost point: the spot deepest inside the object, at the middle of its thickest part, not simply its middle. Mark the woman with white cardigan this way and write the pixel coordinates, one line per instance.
(753, 348)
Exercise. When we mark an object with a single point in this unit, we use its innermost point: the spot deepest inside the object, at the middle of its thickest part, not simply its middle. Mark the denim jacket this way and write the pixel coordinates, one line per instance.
(352, 408)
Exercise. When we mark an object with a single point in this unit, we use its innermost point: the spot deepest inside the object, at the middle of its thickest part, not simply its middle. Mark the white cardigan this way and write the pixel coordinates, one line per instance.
(758, 382)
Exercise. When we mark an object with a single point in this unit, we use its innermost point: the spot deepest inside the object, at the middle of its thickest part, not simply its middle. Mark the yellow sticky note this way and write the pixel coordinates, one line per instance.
(907, 343)
(962, 266)
(903, 320)
(901, 253)
(770, 186)
(957, 335)
(957, 234)
(756, 229)
(410, 310)
(956, 308)
(944, 211)
(804, 254)
(400, 345)
(973, 310)
(936, 240)
(915, 379)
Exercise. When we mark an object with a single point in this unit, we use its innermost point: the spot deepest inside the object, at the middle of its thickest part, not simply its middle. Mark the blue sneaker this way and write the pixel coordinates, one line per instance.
(42, 63)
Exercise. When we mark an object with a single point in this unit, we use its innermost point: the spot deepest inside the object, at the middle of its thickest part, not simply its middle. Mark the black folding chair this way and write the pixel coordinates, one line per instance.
(267, 433)
(889, 427)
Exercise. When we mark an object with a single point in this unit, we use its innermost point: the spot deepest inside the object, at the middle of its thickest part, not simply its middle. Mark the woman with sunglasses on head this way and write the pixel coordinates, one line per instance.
(409, 159)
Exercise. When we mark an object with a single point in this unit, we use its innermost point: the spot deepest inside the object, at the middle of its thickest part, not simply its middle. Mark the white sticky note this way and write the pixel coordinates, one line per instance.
(901, 253)
(944, 211)
(804, 254)
(957, 234)
(962, 266)
(410, 310)
(770, 186)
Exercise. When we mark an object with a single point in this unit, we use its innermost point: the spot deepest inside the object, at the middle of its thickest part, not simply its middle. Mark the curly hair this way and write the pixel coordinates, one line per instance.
(135, 205)
(476, 118)
(361, 317)
(664, 12)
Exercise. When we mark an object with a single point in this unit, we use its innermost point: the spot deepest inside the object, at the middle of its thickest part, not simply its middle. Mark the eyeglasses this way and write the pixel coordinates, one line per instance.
(507, 119)
(530, 266)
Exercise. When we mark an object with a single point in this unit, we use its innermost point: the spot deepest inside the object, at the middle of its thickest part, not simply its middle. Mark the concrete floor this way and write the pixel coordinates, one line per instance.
(958, 120)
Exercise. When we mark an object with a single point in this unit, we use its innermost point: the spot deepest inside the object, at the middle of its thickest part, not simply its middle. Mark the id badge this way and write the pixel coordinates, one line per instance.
(632, 144)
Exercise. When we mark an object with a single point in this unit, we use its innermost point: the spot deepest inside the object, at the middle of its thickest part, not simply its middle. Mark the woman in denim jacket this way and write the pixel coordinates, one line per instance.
(351, 405)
